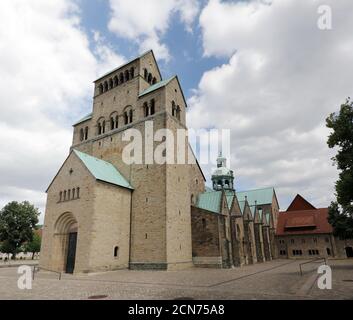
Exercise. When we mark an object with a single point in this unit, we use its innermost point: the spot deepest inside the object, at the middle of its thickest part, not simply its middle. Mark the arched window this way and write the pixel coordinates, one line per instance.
(116, 252)
(154, 81)
(69, 194)
(106, 86)
(86, 133)
(111, 84)
(78, 192)
(173, 109)
(116, 122)
(145, 109)
(60, 196)
(127, 75)
(116, 81)
(101, 126)
(112, 123)
(131, 116)
(132, 72)
(121, 78)
(100, 89)
(81, 135)
(73, 193)
(178, 113)
(65, 195)
(153, 107)
(145, 75)
(149, 78)
(126, 118)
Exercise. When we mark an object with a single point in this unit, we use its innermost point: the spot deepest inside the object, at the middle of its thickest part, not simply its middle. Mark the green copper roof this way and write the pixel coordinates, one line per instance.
(102, 170)
(261, 196)
(87, 117)
(156, 86)
(210, 201)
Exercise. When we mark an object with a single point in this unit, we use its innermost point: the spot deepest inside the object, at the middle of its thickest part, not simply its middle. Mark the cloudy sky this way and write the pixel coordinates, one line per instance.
(261, 68)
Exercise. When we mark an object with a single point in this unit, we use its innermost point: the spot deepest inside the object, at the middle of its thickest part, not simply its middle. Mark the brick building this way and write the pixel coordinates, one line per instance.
(303, 231)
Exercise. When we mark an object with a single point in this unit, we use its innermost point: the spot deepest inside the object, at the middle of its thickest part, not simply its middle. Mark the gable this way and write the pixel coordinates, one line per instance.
(79, 171)
(103, 170)
(299, 203)
(100, 170)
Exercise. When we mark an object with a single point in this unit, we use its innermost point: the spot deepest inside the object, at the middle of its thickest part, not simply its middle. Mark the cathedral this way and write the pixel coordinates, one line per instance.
(105, 214)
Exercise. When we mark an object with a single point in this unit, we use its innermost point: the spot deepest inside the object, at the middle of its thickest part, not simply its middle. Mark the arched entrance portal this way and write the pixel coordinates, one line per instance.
(66, 232)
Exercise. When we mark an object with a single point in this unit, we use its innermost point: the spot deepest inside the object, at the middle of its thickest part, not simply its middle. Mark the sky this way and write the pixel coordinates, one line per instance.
(261, 68)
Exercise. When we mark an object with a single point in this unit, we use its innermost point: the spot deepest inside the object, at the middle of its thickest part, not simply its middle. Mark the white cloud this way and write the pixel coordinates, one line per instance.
(283, 78)
(47, 69)
(145, 22)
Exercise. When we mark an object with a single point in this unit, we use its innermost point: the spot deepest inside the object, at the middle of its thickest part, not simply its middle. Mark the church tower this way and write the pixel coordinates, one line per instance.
(118, 214)
(222, 177)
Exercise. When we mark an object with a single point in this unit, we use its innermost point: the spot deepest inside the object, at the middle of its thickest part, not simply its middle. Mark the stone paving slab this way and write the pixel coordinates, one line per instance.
(279, 279)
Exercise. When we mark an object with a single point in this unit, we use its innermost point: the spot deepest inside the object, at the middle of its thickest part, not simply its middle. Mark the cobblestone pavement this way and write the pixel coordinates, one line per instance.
(279, 279)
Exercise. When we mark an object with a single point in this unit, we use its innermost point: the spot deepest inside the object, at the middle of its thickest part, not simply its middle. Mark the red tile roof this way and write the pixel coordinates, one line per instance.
(303, 222)
(299, 203)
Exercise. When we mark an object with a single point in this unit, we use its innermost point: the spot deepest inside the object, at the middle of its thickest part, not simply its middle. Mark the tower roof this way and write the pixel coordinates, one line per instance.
(131, 61)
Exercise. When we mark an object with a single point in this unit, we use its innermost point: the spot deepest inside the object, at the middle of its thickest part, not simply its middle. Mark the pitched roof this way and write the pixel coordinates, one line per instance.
(299, 203)
(85, 118)
(156, 86)
(303, 222)
(131, 61)
(261, 196)
(210, 201)
(102, 170)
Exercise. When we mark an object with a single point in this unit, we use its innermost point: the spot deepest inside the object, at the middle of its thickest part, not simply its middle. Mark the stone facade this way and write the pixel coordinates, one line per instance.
(155, 218)
(303, 232)
(152, 219)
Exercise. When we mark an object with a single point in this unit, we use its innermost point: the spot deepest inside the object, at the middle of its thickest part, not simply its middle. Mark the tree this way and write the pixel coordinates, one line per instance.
(34, 245)
(341, 211)
(17, 222)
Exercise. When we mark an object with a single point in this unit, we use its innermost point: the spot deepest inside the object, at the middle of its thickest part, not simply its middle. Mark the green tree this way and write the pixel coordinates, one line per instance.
(341, 138)
(17, 222)
(34, 245)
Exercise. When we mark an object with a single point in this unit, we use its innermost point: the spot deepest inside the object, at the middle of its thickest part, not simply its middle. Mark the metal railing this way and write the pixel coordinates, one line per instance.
(311, 261)
(36, 268)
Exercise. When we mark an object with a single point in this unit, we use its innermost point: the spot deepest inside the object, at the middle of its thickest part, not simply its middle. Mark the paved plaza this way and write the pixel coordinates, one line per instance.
(279, 279)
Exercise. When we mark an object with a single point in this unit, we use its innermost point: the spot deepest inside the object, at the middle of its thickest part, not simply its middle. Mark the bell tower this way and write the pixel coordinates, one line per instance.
(222, 177)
